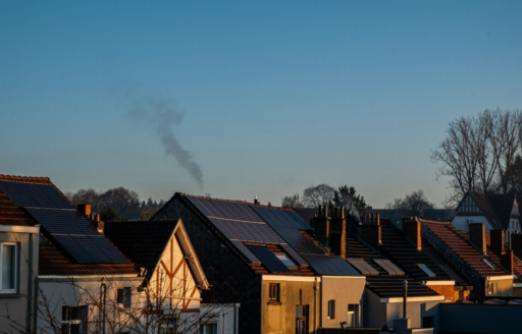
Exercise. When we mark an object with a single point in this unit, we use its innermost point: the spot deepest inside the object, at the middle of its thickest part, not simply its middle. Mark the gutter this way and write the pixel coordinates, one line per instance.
(393, 300)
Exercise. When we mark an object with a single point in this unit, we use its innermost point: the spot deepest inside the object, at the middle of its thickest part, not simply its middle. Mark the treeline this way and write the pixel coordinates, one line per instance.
(117, 204)
(323, 194)
(483, 153)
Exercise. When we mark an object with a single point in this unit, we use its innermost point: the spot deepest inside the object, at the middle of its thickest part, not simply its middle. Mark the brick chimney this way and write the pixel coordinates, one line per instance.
(344, 227)
(477, 236)
(372, 230)
(497, 241)
(508, 260)
(516, 244)
(412, 229)
(323, 225)
(85, 209)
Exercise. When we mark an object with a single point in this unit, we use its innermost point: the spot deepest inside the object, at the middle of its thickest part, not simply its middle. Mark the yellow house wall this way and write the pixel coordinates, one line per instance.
(344, 290)
(281, 318)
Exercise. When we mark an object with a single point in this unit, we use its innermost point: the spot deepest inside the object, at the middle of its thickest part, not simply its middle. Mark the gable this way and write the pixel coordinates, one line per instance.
(468, 206)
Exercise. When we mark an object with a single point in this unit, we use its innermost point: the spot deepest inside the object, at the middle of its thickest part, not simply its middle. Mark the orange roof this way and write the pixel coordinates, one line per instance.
(25, 179)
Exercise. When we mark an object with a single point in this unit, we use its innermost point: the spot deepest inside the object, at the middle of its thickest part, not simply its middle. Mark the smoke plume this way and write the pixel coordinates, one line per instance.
(163, 115)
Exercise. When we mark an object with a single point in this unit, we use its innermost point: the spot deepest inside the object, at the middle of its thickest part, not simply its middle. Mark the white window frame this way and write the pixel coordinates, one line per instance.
(16, 266)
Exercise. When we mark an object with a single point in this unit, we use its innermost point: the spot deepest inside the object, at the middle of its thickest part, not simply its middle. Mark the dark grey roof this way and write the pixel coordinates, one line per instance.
(294, 230)
(34, 195)
(244, 222)
(74, 233)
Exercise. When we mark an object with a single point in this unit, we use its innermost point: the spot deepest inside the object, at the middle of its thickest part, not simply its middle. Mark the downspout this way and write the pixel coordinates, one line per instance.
(30, 307)
(315, 304)
(103, 295)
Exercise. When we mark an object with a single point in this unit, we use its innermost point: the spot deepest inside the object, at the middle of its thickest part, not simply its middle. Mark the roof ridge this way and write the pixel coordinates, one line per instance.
(25, 179)
(236, 201)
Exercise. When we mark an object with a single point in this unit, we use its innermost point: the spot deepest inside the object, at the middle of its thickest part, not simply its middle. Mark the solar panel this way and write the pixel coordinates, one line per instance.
(278, 218)
(34, 195)
(268, 259)
(245, 251)
(330, 265)
(225, 209)
(390, 267)
(62, 221)
(364, 267)
(90, 249)
(259, 232)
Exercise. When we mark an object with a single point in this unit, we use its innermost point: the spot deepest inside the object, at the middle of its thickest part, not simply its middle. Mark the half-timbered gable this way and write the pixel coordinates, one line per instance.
(173, 277)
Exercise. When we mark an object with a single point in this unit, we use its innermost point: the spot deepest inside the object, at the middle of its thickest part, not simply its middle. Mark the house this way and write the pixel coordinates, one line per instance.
(81, 274)
(393, 265)
(173, 277)
(266, 259)
(18, 267)
(495, 211)
(469, 255)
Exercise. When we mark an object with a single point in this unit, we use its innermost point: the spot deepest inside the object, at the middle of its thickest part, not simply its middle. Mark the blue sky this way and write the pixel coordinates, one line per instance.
(276, 96)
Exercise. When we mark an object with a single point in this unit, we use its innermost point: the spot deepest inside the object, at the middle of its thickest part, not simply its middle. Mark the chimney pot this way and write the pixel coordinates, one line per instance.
(477, 236)
(85, 209)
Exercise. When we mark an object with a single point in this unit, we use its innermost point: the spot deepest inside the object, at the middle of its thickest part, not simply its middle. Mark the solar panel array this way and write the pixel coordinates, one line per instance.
(34, 195)
(243, 222)
(70, 230)
(237, 221)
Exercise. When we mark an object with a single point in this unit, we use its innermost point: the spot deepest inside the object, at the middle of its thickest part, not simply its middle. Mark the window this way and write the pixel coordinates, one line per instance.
(302, 316)
(353, 315)
(426, 270)
(331, 309)
(9, 267)
(124, 297)
(168, 324)
(208, 329)
(285, 260)
(74, 319)
(274, 292)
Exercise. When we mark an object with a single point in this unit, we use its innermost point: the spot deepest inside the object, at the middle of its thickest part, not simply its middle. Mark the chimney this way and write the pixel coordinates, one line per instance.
(508, 260)
(372, 231)
(85, 209)
(477, 236)
(497, 241)
(100, 225)
(412, 229)
(327, 226)
(516, 244)
(344, 223)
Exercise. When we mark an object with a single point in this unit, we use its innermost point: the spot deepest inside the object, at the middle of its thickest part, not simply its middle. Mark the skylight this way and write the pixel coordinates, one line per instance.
(426, 270)
(285, 260)
(390, 267)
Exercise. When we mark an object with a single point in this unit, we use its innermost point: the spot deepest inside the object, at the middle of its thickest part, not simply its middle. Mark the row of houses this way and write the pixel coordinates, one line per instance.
(207, 265)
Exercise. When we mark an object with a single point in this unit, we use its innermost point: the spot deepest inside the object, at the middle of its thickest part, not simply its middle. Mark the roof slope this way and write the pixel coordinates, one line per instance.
(73, 236)
(496, 207)
(276, 230)
(142, 242)
(445, 239)
(10, 214)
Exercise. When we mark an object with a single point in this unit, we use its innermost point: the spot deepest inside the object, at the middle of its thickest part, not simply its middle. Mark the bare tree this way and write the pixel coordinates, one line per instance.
(292, 201)
(505, 141)
(459, 155)
(416, 203)
(321, 194)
